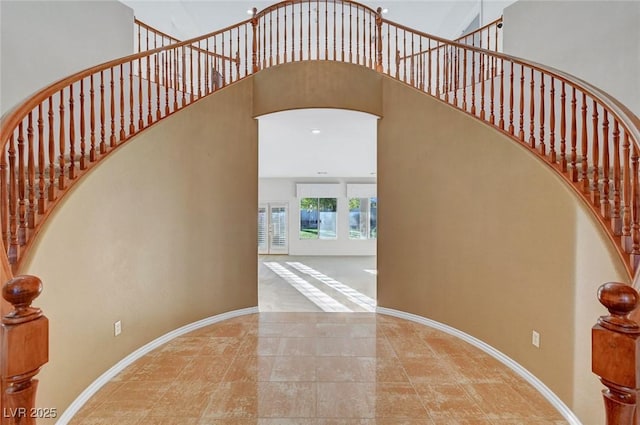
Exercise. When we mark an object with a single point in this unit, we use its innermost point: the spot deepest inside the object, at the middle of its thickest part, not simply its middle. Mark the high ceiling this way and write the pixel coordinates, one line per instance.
(346, 144)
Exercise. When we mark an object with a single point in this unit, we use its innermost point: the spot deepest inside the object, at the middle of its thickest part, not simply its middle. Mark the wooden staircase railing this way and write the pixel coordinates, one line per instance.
(57, 135)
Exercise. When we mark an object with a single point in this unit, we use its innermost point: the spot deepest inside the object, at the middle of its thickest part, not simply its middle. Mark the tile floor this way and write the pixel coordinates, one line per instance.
(316, 369)
(306, 359)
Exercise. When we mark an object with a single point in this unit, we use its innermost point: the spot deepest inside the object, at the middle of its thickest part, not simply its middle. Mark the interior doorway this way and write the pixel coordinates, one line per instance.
(317, 211)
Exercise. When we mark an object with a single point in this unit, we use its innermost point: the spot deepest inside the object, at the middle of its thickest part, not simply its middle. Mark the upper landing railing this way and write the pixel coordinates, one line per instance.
(62, 131)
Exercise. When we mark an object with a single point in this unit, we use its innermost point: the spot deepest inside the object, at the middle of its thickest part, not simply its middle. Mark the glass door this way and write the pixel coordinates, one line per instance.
(273, 226)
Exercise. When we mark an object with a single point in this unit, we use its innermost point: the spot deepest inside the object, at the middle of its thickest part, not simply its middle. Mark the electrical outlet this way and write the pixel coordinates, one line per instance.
(535, 339)
(117, 328)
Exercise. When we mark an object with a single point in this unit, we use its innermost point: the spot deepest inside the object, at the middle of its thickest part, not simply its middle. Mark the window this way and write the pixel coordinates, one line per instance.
(318, 218)
(363, 218)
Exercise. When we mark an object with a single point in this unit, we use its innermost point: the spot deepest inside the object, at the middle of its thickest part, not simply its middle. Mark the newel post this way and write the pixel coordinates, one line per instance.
(379, 39)
(254, 26)
(616, 353)
(25, 349)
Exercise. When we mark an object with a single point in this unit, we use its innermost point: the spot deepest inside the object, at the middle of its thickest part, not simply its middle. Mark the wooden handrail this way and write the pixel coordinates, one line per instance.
(490, 43)
(53, 138)
(155, 38)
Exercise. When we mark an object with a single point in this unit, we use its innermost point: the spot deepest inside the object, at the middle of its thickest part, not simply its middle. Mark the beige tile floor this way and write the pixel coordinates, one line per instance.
(316, 369)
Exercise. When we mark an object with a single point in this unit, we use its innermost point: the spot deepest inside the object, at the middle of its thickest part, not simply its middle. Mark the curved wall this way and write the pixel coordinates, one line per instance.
(477, 233)
(464, 237)
(159, 235)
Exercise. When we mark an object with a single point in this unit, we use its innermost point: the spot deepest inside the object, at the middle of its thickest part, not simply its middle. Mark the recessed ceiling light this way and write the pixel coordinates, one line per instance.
(315, 131)
(385, 10)
(249, 11)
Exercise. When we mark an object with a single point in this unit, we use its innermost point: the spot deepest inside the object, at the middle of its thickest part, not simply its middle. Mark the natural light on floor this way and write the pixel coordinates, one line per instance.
(367, 303)
(319, 298)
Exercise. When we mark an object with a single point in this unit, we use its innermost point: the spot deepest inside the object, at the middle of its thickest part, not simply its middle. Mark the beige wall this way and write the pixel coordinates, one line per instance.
(504, 246)
(159, 235)
(465, 238)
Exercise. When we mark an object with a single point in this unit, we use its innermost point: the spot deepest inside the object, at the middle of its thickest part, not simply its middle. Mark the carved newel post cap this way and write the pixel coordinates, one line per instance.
(620, 300)
(20, 292)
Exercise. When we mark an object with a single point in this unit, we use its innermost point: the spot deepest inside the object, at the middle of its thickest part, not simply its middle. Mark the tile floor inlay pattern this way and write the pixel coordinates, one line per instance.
(317, 369)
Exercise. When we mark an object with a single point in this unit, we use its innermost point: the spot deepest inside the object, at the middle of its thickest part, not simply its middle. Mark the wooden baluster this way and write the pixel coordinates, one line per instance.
(149, 100)
(335, 24)
(532, 112)
(254, 48)
(350, 43)
(183, 82)
(246, 52)
(456, 72)
(563, 130)
(388, 50)
(584, 174)
(31, 174)
(61, 140)
(4, 199)
(224, 63)
(501, 121)
(167, 81)
(445, 72)
(52, 154)
(511, 127)
(41, 166)
(271, 38)
(199, 72)
(284, 31)
(82, 127)
(122, 133)
(617, 337)
(22, 229)
(616, 222)
(326, 30)
(158, 84)
(72, 136)
(492, 117)
(429, 68)
(635, 209)
(552, 122)
(369, 42)
(25, 333)
(574, 137)
(605, 202)
(92, 122)
(397, 64)
(132, 128)
(482, 81)
(626, 194)
(358, 35)
(521, 132)
(464, 78)
(412, 67)
(140, 102)
(379, 39)
(13, 204)
(103, 144)
(438, 71)
(541, 145)
(112, 109)
(595, 153)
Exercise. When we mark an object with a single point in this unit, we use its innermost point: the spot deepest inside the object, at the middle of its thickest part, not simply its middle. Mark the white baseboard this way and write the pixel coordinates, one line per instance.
(119, 367)
(504, 359)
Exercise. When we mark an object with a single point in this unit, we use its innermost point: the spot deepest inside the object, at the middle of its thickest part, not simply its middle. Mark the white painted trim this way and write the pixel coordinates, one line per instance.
(119, 367)
(503, 358)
